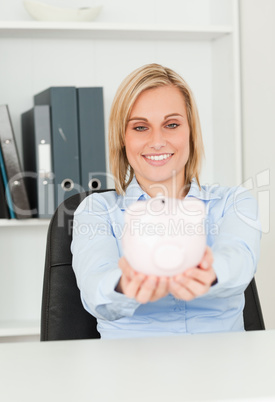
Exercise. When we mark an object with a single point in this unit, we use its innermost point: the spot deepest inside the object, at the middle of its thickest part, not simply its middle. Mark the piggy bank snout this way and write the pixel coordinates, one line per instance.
(168, 256)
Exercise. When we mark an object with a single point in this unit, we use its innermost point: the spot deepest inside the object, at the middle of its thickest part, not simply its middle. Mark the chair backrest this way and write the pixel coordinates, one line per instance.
(63, 316)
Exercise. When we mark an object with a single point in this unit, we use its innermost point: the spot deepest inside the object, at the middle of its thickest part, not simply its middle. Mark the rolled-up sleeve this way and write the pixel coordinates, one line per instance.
(236, 243)
(96, 251)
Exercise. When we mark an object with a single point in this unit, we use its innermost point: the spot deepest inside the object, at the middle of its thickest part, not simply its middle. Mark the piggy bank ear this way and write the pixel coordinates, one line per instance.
(156, 206)
(193, 207)
(168, 256)
(136, 209)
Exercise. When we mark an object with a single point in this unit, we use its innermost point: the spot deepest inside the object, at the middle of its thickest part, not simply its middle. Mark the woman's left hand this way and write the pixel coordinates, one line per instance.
(194, 281)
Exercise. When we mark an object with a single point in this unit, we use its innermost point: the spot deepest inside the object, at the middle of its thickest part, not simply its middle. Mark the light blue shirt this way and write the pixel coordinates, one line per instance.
(233, 233)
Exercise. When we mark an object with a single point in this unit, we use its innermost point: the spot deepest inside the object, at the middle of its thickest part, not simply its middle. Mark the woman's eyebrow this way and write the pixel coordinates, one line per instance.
(165, 117)
(138, 118)
(173, 114)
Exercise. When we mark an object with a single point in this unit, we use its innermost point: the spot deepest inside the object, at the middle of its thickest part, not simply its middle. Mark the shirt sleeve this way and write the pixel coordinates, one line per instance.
(236, 244)
(95, 261)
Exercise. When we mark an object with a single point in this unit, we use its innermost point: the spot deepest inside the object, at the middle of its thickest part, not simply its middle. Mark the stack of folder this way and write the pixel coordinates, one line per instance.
(14, 201)
(63, 141)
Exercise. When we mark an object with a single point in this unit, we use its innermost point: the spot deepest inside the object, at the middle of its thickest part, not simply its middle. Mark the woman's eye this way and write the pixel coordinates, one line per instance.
(172, 125)
(140, 128)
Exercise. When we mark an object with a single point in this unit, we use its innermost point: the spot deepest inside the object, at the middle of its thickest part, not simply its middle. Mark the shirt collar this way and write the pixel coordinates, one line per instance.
(205, 193)
(135, 193)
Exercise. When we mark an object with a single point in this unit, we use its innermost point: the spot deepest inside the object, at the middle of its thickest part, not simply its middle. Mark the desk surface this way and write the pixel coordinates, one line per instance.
(212, 367)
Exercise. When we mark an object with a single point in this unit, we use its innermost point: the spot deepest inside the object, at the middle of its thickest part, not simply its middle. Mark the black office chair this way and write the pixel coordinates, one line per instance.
(63, 316)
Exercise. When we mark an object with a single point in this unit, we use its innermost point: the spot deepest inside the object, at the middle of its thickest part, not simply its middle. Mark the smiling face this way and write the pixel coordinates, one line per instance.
(157, 140)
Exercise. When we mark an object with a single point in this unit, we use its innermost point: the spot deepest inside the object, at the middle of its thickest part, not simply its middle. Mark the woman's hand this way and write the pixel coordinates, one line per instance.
(143, 288)
(195, 281)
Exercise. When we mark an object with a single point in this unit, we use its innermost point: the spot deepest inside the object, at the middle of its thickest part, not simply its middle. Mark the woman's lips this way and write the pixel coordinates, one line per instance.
(157, 159)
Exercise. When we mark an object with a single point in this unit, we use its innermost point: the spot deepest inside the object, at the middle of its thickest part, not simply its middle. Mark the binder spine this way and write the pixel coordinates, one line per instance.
(38, 160)
(65, 148)
(91, 138)
(15, 176)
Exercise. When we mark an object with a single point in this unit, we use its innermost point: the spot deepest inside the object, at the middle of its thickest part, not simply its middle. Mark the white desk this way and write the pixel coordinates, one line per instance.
(183, 368)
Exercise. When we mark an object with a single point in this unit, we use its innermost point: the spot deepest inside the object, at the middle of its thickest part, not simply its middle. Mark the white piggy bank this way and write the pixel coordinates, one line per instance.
(164, 236)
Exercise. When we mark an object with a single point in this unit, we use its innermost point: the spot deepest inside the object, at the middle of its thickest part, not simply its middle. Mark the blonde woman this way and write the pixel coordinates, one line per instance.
(155, 145)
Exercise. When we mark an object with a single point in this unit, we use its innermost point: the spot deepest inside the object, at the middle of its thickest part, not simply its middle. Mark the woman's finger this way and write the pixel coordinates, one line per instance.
(132, 287)
(147, 289)
(126, 268)
(161, 289)
(207, 259)
(196, 287)
(180, 291)
(204, 276)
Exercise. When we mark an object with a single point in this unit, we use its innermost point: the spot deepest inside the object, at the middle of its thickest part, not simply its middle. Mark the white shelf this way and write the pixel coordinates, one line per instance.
(112, 30)
(19, 328)
(23, 222)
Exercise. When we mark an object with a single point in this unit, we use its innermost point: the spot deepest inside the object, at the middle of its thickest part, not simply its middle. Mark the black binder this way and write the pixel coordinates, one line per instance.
(91, 138)
(65, 148)
(37, 156)
(15, 175)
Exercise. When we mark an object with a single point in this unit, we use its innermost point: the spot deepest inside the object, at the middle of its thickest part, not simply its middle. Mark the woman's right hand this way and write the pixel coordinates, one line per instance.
(143, 288)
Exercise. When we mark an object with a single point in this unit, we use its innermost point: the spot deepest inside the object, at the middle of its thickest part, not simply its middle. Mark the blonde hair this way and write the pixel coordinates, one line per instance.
(144, 78)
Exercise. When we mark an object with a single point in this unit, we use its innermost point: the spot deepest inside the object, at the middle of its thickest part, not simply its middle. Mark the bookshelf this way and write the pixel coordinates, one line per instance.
(113, 30)
(202, 46)
(23, 223)
(19, 329)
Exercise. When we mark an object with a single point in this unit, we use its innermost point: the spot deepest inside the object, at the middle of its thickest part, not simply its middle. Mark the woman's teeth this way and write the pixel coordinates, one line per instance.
(158, 157)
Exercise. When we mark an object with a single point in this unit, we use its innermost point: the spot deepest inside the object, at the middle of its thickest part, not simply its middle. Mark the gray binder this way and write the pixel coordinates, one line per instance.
(91, 138)
(65, 149)
(20, 207)
(37, 156)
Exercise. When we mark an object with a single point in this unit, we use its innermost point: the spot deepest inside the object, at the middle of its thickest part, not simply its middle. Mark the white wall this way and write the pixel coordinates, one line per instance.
(258, 104)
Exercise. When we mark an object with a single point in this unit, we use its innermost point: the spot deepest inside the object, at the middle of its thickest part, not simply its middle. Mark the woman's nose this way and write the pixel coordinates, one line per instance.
(157, 140)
